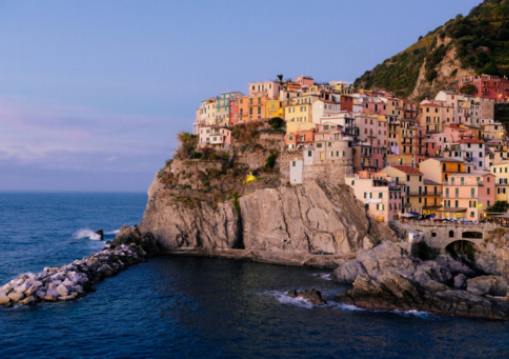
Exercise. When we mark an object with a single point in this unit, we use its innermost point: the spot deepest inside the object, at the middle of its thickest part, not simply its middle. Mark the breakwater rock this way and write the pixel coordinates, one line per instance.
(77, 278)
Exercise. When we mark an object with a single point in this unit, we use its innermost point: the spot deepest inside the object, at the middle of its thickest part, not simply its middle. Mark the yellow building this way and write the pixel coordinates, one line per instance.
(274, 108)
(298, 115)
(501, 172)
(432, 197)
(439, 169)
(412, 180)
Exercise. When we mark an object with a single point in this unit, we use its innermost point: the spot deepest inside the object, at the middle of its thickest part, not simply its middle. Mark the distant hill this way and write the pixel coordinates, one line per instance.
(466, 45)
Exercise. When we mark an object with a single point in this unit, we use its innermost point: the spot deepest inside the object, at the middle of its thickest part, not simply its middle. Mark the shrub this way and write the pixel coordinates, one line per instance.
(499, 206)
(277, 124)
(188, 143)
(271, 161)
(469, 89)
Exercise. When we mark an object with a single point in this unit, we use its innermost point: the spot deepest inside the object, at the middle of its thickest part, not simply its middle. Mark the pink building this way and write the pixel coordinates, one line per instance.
(468, 195)
(305, 81)
(372, 129)
(383, 199)
(269, 89)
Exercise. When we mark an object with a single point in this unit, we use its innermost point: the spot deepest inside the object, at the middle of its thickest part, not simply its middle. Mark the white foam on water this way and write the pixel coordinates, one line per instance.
(284, 298)
(113, 232)
(412, 313)
(324, 276)
(404, 313)
(348, 307)
(86, 233)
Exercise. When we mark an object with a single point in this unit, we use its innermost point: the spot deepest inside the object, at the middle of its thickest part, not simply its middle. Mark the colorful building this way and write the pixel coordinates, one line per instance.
(501, 173)
(468, 195)
(412, 180)
(439, 169)
(434, 115)
(269, 89)
(487, 86)
(381, 198)
(252, 109)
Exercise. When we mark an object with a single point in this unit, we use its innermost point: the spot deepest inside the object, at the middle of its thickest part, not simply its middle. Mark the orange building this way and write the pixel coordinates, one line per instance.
(252, 108)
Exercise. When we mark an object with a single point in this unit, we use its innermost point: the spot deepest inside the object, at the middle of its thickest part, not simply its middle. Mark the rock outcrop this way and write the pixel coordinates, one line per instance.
(312, 296)
(387, 278)
(77, 278)
(308, 224)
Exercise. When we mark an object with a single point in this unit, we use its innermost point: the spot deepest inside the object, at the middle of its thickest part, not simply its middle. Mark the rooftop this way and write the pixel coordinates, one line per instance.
(408, 170)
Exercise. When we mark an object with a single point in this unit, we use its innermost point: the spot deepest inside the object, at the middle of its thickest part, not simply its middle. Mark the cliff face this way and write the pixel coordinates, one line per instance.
(312, 223)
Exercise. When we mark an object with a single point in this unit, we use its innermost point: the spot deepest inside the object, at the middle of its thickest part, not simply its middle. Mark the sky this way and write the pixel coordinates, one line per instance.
(94, 92)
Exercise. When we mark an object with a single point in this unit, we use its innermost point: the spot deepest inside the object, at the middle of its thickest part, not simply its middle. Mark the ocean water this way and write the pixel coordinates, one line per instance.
(182, 307)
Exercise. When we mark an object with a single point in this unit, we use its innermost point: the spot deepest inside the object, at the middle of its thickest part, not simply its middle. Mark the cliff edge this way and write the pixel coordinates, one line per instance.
(239, 203)
(314, 224)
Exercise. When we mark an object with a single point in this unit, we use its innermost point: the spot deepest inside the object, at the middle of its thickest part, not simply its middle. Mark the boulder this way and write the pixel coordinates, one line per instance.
(347, 271)
(4, 299)
(62, 290)
(488, 285)
(312, 296)
(460, 281)
(15, 296)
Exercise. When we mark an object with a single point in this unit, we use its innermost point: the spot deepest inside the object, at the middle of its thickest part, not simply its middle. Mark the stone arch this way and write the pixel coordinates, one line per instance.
(462, 250)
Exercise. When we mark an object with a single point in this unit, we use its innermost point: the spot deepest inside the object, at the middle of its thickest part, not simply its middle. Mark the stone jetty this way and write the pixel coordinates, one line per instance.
(75, 279)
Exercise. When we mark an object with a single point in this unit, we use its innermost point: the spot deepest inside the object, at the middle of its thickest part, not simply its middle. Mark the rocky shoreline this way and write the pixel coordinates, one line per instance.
(386, 277)
(389, 278)
(75, 279)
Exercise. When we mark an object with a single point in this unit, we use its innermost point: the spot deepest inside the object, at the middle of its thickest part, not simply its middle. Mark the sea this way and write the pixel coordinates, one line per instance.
(185, 307)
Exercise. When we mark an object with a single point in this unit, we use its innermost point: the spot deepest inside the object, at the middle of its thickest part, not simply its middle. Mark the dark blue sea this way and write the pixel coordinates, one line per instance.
(179, 307)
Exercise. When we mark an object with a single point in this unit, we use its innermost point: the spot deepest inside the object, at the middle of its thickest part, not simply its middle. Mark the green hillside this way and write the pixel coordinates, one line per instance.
(479, 43)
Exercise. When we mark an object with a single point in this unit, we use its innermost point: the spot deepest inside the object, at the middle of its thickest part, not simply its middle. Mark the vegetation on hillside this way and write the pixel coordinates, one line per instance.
(481, 40)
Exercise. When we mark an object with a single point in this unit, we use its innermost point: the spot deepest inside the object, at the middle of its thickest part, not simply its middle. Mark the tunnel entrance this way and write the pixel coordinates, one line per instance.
(462, 251)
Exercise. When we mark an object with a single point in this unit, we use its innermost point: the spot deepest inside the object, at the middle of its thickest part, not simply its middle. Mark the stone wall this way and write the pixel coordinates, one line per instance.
(440, 235)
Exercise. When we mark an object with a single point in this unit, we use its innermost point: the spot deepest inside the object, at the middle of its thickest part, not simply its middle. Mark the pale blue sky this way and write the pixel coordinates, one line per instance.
(93, 92)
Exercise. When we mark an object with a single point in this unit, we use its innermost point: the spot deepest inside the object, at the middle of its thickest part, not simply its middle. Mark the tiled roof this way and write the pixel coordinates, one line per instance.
(408, 170)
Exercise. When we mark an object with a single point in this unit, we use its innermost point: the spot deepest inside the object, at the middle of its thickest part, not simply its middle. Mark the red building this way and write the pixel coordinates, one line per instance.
(491, 87)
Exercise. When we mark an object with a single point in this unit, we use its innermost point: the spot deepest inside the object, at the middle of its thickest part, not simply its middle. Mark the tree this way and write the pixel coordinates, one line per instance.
(469, 89)
(277, 123)
(499, 206)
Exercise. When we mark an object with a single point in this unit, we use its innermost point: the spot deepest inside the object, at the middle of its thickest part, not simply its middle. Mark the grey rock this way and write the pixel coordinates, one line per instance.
(460, 281)
(488, 285)
(312, 296)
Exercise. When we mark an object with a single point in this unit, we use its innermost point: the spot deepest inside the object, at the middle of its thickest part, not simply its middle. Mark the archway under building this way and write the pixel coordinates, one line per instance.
(463, 251)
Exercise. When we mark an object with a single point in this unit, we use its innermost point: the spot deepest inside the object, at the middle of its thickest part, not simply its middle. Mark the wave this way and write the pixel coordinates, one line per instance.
(412, 313)
(347, 307)
(324, 276)
(284, 298)
(86, 233)
(404, 313)
(112, 233)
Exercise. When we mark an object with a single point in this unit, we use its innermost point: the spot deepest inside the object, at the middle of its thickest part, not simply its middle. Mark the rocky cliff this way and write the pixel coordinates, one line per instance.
(314, 224)
(200, 203)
